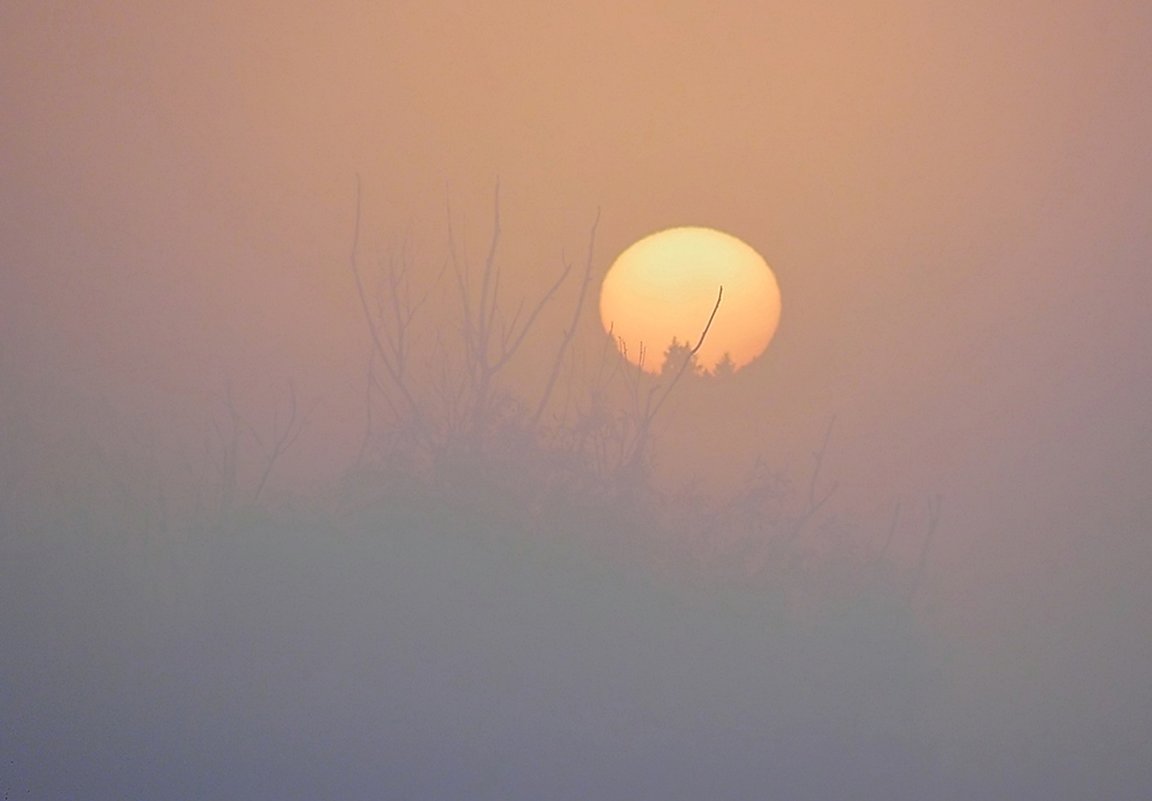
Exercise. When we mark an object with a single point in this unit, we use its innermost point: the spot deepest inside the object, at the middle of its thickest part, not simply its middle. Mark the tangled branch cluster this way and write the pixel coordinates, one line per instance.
(442, 419)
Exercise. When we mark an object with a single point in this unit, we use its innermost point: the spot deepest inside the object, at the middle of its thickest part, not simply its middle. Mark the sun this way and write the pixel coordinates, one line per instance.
(664, 287)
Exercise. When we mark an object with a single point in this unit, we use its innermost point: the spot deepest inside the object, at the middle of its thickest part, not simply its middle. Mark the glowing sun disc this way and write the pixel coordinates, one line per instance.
(664, 286)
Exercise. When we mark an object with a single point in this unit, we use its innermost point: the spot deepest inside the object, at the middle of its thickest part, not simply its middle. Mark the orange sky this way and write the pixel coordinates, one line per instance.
(954, 201)
(953, 196)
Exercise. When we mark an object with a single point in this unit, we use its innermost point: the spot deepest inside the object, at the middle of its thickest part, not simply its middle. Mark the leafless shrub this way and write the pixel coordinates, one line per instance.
(236, 472)
(455, 414)
(438, 411)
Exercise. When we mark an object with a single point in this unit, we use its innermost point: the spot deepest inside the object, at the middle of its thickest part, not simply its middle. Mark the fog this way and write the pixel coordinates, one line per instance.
(904, 554)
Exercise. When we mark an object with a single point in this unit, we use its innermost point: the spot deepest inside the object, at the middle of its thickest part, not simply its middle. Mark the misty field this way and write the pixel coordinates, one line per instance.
(503, 592)
(412, 651)
(392, 637)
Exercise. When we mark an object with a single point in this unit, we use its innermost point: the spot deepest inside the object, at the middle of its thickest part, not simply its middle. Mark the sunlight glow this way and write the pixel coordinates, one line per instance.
(664, 286)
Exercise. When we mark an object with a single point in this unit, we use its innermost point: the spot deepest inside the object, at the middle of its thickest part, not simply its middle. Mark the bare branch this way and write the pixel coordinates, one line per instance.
(632, 465)
(490, 265)
(570, 332)
(282, 440)
(691, 354)
(366, 439)
(373, 328)
(519, 338)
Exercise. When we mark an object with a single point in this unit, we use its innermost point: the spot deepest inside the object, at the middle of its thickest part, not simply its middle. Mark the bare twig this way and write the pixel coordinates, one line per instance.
(490, 342)
(562, 350)
(387, 357)
(366, 439)
(281, 439)
(691, 354)
(634, 464)
(815, 502)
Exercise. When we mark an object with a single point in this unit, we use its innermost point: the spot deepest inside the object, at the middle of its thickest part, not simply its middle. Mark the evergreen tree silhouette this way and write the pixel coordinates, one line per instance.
(725, 367)
(676, 355)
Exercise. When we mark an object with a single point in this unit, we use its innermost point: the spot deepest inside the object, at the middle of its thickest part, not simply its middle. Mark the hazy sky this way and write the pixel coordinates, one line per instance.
(954, 197)
(954, 201)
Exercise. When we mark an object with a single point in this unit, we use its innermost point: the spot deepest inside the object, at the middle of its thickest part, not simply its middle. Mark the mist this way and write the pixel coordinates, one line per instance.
(273, 526)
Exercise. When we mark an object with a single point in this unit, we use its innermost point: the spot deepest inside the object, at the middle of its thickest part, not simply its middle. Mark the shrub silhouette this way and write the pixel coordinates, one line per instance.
(500, 568)
(576, 454)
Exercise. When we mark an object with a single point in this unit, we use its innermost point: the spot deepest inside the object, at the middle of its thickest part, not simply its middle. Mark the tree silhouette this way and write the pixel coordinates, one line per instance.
(725, 368)
(680, 355)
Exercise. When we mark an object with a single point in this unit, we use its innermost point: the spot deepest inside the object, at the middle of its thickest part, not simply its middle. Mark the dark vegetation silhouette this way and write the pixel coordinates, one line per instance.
(441, 422)
(498, 601)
